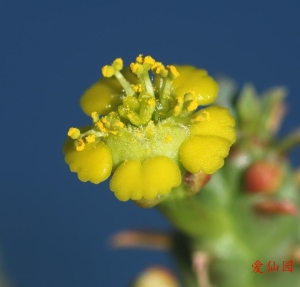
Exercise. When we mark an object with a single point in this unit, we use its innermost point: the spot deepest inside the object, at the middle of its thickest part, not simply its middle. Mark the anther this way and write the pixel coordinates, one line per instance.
(148, 63)
(139, 59)
(79, 145)
(173, 72)
(164, 73)
(118, 64)
(74, 133)
(90, 138)
(192, 106)
(95, 116)
(137, 68)
(157, 67)
(108, 71)
(189, 96)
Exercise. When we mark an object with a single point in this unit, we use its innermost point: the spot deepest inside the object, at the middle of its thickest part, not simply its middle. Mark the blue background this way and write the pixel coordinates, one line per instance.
(53, 228)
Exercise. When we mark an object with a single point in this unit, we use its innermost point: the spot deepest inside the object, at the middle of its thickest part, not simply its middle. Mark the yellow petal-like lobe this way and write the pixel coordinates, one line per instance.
(160, 175)
(195, 80)
(136, 180)
(214, 121)
(93, 163)
(204, 153)
(105, 95)
(127, 181)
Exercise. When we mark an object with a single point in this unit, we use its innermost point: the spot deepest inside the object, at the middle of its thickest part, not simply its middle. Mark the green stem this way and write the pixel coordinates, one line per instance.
(210, 230)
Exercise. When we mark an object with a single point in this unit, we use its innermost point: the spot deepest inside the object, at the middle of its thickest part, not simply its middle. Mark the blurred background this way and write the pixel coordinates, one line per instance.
(54, 229)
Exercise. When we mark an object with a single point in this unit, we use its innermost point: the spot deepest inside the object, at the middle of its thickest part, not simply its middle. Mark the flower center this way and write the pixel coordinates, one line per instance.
(143, 103)
(162, 139)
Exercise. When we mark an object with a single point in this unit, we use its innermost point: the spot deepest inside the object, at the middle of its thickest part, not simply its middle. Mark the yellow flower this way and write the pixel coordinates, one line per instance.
(147, 133)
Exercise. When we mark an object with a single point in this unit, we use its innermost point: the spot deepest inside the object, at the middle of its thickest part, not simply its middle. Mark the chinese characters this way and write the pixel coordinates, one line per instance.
(287, 266)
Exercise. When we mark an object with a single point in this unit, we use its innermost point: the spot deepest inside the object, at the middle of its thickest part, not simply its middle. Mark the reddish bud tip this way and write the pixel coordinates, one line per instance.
(263, 177)
(277, 207)
(194, 182)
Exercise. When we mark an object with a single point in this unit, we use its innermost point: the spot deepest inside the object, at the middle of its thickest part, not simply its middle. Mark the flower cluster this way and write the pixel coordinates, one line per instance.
(147, 129)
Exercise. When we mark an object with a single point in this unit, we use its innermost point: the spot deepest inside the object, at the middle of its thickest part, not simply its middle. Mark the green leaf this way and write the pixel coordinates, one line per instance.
(272, 110)
(248, 109)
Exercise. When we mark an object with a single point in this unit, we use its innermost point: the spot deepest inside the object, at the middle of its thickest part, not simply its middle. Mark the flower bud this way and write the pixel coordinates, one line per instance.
(263, 177)
(274, 207)
(157, 276)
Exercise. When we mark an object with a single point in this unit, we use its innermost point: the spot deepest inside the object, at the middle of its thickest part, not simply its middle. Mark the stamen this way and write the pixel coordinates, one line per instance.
(178, 108)
(143, 102)
(74, 133)
(124, 83)
(118, 64)
(148, 63)
(164, 73)
(148, 83)
(192, 106)
(143, 75)
(136, 68)
(139, 59)
(95, 116)
(207, 115)
(157, 68)
(79, 144)
(108, 71)
(101, 127)
(189, 96)
(201, 116)
(114, 70)
(90, 138)
(165, 92)
(137, 88)
(173, 72)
